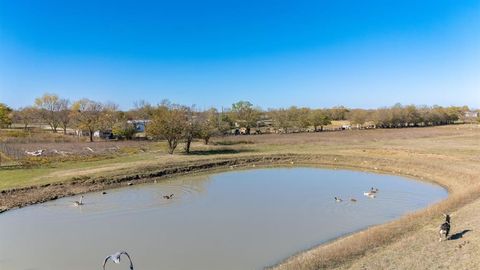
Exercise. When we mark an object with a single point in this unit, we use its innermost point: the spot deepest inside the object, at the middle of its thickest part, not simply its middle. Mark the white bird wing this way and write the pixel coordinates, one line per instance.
(105, 261)
(128, 256)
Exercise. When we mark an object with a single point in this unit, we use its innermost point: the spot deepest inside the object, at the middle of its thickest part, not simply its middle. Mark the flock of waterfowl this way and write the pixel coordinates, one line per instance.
(80, 201)
(116, 256)
(372, 193)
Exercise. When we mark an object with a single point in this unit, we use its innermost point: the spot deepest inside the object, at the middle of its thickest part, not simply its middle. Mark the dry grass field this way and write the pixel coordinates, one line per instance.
(447, 155)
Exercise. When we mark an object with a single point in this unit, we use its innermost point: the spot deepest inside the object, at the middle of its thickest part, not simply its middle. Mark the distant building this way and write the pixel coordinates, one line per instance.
(140, 125)
(471, 114)
(104, 134)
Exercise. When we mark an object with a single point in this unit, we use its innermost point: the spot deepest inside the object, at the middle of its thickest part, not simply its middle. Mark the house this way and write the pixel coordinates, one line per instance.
(140, 125)
(471, 114)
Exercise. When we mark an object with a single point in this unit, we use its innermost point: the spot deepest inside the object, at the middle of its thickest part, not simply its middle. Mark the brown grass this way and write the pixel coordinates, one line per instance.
(449, 156)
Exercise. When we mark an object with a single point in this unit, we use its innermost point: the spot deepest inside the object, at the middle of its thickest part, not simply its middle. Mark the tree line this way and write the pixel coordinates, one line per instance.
(177, 123)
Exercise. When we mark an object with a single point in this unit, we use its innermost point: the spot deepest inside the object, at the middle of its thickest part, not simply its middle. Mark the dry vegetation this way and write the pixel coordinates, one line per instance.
(447, 155)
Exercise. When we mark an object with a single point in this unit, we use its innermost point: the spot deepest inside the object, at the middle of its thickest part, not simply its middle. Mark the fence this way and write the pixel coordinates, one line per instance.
(10, 152)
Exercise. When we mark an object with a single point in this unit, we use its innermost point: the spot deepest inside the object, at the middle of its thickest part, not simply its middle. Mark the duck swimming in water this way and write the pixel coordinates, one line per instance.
(168, 197)
(79, 202)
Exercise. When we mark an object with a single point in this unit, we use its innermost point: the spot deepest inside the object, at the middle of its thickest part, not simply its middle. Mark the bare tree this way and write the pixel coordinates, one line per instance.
(281, 119)
(64, 114)
(142, 110)
(191, 129)
(26, 116)
(210, 124)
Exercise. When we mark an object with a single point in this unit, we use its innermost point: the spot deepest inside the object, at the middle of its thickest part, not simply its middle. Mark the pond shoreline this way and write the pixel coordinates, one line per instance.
(21, 197)
(326, 255)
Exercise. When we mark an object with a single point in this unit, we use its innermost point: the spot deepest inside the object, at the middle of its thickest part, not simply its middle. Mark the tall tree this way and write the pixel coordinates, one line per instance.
(209, 124)
(302, 117)
(191, 129)
(50, 107)
(5, 115)
(245, 114)
(64, 114)
(281, 119)
(88, 115)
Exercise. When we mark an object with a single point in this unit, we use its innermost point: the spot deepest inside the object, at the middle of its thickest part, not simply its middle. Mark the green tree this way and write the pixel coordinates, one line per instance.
(5, 115)
(123, 129)
(168, 123)
(302, 118)
(245, 114)
(319, 118)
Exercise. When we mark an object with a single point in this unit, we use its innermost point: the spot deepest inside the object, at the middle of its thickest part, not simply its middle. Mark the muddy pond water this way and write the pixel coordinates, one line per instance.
(245, 219)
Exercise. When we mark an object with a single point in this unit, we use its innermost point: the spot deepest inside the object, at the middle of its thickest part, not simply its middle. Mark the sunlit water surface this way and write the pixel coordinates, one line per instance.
(232, 220)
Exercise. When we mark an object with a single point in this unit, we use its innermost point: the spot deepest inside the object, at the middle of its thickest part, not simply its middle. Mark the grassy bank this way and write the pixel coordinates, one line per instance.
(449, 156)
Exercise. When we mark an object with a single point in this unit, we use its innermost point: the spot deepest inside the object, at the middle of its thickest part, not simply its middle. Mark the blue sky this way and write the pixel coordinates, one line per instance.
(363, 54)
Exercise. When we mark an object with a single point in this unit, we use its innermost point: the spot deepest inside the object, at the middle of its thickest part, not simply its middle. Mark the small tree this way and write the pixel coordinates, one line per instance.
(168, 123)
(358, 116)
(337, 113)
(123, 129)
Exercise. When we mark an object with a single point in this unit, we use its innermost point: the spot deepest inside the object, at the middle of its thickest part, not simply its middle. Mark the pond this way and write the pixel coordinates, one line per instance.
(231, 220)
